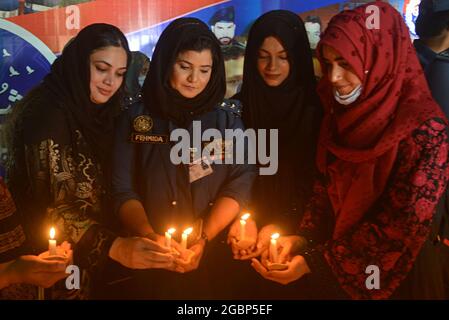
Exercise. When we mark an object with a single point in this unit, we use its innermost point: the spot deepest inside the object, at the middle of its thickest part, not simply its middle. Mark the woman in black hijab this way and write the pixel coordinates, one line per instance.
(158, 92)
(278, 92)
(152, 193)
(61, 136)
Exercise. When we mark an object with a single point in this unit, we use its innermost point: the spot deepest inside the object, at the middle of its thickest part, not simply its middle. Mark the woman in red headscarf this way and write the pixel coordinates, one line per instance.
(383, 155)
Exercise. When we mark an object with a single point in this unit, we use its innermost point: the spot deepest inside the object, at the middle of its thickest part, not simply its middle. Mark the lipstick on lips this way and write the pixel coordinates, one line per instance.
(104, 92)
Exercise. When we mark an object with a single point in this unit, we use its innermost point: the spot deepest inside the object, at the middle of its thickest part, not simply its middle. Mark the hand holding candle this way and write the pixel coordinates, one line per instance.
(52, 254)
(242, 235)
(190, 258)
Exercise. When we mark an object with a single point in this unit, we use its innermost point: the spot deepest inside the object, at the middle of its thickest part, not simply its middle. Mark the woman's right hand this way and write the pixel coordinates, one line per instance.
(250, 238)
(37, 271)
(263, 242)
(42, 270)
(141, 253)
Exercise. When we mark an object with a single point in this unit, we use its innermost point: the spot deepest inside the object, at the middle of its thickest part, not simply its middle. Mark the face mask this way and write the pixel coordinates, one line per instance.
(141, 80)
(349, 98)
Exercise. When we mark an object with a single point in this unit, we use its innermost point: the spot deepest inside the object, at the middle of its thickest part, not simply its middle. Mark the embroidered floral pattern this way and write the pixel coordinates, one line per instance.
(12, 237)
(72, 178)
(391, 235)
(67, 184)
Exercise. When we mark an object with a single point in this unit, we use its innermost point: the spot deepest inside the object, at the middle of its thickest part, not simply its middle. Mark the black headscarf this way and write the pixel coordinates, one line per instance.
(157, 92)
(65, 91)
(270, 107)
(292, 107)
(68, 85)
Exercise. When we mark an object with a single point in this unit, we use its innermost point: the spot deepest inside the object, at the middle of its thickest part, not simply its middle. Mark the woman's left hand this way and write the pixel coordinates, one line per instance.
(297, 268)
(192, 261)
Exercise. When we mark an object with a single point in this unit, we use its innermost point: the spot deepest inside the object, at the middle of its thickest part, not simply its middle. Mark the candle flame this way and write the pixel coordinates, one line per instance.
(171, 231)
(275, 236)
(188, 230)
(52, 233)
(245, 216)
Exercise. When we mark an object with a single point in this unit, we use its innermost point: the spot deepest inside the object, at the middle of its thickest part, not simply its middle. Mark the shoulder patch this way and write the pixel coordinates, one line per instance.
(231, 105)
(129, 101)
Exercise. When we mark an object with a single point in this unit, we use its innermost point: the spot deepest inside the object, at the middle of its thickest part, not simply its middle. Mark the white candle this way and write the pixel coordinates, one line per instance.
(168, 235)
(185, 235)
(243, 219)
(52, 243)
(274, 248)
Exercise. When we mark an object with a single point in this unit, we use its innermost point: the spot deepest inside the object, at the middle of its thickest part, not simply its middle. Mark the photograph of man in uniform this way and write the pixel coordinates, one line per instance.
(222, 24)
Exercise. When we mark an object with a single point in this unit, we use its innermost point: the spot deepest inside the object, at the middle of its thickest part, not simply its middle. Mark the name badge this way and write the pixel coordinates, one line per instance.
(149, 138)
(198, 169)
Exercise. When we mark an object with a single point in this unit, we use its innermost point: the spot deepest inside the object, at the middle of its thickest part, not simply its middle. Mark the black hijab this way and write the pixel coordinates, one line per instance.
(157, 92)
(66, 88)
(68, 85)
(271, 107)
(292, 107)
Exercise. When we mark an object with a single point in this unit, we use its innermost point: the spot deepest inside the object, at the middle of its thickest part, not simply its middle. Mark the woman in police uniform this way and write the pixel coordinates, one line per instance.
(186, 83)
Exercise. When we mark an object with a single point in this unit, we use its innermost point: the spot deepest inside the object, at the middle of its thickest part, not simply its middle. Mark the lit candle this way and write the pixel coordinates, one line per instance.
(168, 235)
(185, 235)
(243, 219)
(274, 248)
(52, 243)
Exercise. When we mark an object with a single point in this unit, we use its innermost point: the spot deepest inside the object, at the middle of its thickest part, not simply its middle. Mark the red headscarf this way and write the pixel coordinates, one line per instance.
(364, 137)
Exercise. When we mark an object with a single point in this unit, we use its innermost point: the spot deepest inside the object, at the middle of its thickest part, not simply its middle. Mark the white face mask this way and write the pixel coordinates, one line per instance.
(348, 98)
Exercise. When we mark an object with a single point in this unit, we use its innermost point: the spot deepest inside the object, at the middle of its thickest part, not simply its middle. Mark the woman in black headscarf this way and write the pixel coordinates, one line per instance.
(152, 192)
(278, 92)
(61, 135)
(159, 93)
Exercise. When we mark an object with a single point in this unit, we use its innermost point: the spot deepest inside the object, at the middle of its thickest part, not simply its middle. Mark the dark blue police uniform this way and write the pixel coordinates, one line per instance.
(143, 171)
